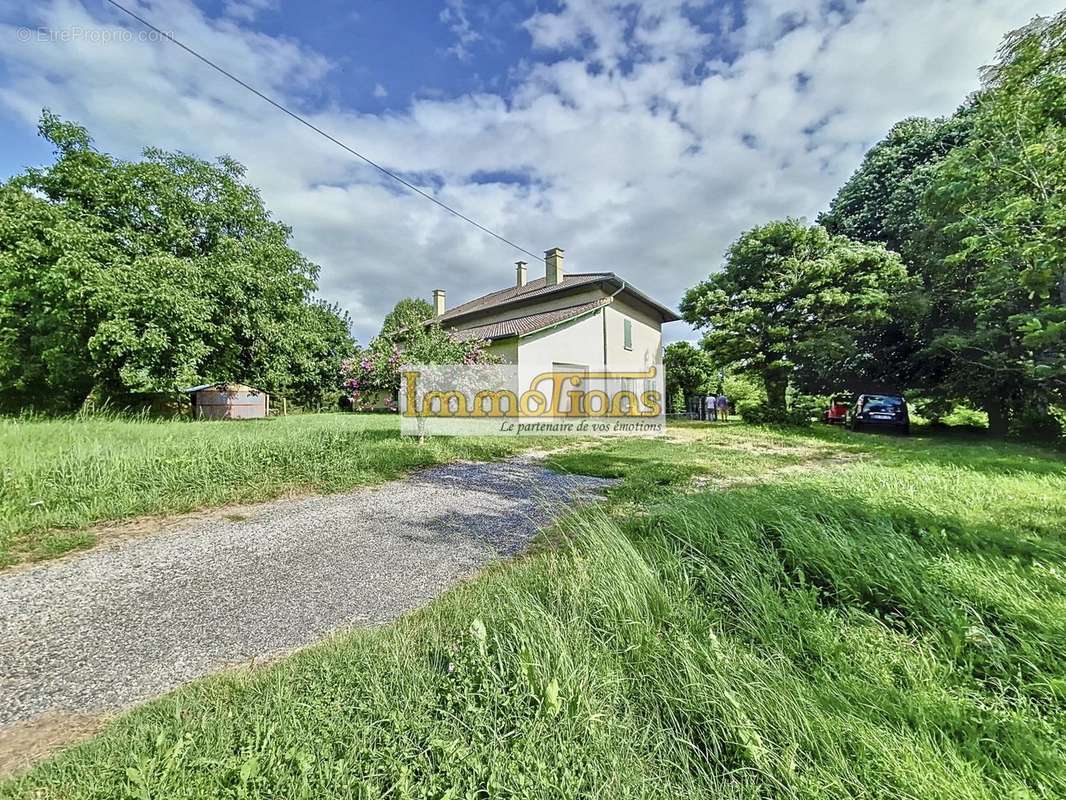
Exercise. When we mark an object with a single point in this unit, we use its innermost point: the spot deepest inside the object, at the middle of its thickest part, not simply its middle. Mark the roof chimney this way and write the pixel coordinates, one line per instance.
(520, 268)
(438, 301)
(553, 263)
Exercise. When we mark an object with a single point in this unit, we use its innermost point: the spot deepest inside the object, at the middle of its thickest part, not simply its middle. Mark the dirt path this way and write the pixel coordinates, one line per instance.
(102, 630)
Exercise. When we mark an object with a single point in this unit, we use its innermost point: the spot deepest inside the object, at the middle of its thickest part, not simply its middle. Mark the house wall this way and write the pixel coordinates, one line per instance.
(647, 335)
(578, 341)
(590, 341)
(586, 341)
(234, 403)
(582, 341)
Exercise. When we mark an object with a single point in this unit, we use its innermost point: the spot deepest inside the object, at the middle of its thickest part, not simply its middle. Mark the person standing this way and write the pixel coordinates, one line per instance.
(710, 408)
(722, 407)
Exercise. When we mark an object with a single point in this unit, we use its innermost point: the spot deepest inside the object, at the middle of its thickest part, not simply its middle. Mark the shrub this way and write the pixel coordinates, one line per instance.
(962, 416)
(1036, 425)
(677, 402)
(805, 407)
(762, 414)
(754, 411)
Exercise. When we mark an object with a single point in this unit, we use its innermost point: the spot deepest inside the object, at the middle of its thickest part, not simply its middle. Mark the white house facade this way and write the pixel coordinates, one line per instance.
(589, 321)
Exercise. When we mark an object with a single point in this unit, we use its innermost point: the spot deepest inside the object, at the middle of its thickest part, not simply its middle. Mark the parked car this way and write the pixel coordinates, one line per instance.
(887, 411)
(838, 409)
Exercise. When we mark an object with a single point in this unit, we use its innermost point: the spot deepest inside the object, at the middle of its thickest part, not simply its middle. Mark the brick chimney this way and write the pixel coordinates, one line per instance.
(553, 266)
(438, 301)
(520, 268)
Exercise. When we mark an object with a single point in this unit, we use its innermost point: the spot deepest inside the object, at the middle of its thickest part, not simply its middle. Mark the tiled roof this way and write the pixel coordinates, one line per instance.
(530, 323)
(534, 288)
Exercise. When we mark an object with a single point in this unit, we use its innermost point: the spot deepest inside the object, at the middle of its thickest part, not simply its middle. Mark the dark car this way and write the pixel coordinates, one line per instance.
(838, 409)
(886, 411)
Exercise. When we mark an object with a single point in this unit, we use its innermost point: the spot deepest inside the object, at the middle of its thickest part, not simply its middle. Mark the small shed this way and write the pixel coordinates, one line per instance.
(228, 401)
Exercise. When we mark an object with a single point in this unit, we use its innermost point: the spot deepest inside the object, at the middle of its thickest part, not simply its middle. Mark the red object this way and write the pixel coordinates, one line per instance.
(837, 411)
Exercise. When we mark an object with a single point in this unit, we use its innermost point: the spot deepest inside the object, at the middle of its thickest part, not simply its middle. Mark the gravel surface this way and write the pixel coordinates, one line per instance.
(125, 622)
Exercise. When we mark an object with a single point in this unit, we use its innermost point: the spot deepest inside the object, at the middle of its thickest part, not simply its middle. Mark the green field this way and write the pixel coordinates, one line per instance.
(822, 616)
(60, 476)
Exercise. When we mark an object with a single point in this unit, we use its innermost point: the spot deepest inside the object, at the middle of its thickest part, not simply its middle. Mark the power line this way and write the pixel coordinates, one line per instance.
(321, 132)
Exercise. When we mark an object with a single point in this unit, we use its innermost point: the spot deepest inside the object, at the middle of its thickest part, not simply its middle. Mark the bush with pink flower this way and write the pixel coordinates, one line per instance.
(371, 378)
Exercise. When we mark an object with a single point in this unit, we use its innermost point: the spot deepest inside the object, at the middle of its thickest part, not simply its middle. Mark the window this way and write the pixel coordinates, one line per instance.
(882, 403)
(627, 334)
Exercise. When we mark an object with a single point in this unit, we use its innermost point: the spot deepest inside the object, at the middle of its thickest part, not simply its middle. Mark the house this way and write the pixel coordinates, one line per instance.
(583, 321)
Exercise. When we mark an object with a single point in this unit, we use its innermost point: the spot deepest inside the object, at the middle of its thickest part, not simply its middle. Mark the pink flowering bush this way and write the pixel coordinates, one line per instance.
(372, 377)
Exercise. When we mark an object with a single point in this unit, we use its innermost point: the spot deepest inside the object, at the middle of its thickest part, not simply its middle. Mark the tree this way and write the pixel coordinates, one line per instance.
(406, 314)
(975, 204)
(793, 296)
(134, 278)
(46, 260)
(321, 340)
(998, 204)
(688, 369)
(880, 201)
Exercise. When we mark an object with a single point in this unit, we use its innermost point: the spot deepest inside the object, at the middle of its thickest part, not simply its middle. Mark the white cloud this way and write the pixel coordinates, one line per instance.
(455, 17)
(248, 10)
(380, 91)
(648, 164)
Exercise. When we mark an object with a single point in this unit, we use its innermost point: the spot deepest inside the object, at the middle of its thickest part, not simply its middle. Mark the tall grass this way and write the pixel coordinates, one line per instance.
(884, 630)
(57, 476)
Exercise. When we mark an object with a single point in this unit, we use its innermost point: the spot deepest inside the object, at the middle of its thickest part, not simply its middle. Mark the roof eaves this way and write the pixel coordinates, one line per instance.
(587, 312)
(668, 314)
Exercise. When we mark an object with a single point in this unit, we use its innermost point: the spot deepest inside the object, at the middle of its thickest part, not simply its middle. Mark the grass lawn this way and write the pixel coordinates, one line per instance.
(825, 616)
(59, 476)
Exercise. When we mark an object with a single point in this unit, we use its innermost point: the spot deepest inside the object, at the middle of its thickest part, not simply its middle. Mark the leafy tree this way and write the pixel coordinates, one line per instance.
(880, 202)
(975, 205)
(131, 278)
(688, 369)
(998, 204)
(46, 260)
(793, 296)
(406, 314)
(319, 342)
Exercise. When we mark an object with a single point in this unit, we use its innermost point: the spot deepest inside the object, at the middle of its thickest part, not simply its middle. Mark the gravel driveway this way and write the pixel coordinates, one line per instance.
(125, 622)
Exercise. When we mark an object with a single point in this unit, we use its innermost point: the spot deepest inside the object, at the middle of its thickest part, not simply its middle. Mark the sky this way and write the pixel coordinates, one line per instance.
(641, 137)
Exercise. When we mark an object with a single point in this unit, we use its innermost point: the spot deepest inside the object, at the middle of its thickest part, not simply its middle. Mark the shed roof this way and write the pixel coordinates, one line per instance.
(221, 386)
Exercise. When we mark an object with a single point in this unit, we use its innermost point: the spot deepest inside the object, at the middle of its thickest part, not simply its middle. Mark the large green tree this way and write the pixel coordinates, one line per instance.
(133, 278)
(880, 201)
(797, 304)
(975, 204)
(998, 209)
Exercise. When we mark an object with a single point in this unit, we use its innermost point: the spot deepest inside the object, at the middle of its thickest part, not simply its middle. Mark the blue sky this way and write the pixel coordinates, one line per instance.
(642, 137)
